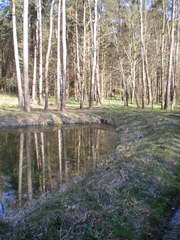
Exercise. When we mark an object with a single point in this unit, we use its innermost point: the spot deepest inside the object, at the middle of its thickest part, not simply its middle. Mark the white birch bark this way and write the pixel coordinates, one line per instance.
(168, 104)
(84, 57)
(48, 56)
(34, 84)
(16, 55)
(64, 47)
(59, 76)
(163, 88)
(92, 90)
(142, 54)
(26, 56)
(78, 74)
(40, 51)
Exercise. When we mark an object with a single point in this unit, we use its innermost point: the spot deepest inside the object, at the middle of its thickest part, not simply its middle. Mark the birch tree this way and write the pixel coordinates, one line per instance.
(78, 71)
(48, 56)
(64, 48)
(142, 54)
(163, 56)
(84, 57)
(92, 85)
(39, 14)
(16, 55)
(34, 83)
(26, 56)
(59, 74)
(168, 103)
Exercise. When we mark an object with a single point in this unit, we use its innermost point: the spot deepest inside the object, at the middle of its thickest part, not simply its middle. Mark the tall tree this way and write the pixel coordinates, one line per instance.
(163, 55)
(34, 83)
(94, 67)
(26, 56)
(64, 48)
(84, 57)
(78, 71)
(48, 56)
(168, 102)
(16, 54)
(59, 73)
(40, 50)
(142, 53)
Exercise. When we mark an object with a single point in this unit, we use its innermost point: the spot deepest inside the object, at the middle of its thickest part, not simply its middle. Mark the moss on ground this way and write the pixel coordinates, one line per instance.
(130, 197)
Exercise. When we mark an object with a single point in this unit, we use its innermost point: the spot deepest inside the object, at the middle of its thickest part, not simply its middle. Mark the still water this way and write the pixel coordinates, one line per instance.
(34, 161)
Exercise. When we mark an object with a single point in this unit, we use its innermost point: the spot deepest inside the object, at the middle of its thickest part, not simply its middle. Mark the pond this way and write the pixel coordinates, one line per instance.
(38, 160)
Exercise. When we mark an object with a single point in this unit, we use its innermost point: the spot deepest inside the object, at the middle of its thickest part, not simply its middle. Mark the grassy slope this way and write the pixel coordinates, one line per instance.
(128, 198)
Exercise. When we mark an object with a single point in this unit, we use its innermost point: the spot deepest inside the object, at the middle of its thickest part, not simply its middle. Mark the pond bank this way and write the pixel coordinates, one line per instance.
(129, 197)
(20, 119)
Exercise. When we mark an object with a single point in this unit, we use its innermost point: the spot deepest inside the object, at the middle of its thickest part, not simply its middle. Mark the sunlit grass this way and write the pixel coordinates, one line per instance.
(8, 102)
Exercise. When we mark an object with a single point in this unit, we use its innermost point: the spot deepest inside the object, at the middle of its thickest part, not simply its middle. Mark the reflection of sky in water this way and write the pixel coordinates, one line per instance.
(56, 156)
(9, 193)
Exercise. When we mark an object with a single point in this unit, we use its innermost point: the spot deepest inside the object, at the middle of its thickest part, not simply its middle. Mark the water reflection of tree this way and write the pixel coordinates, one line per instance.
(48, 160)
(25, 150)
(60, 154)
(43, 176)
(54, 157)
(21, 157)
(29, 165)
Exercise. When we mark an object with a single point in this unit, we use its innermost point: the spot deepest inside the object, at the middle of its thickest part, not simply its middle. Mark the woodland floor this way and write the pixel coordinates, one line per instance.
(132, 196)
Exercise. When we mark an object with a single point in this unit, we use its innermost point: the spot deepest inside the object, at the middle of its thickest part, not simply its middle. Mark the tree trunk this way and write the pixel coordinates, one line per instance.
(26, 57)
(92, 85)
(16, 54)
(40, 51)
(143, 75)
(78, 74)
(59, 74)
(168, 103)
(48, 55)
(125, 87)
(176, 62)
(64, 47)
(84, 58)
(163, 58)
(34, 85)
